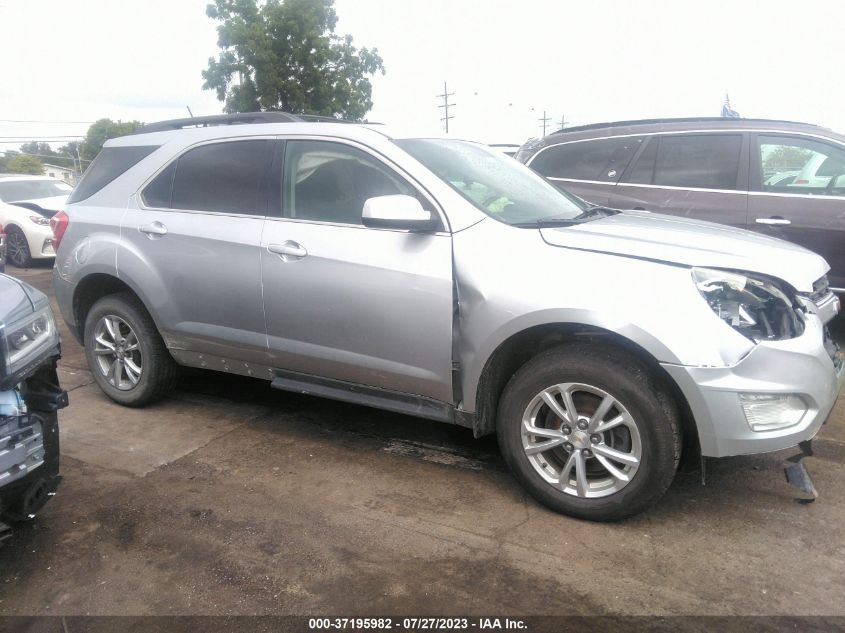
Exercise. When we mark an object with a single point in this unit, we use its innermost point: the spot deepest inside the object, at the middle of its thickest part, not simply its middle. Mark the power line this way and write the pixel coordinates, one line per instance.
(36, 138)
(446, 94)
(37, 121)
(52, 140)
(53, 156)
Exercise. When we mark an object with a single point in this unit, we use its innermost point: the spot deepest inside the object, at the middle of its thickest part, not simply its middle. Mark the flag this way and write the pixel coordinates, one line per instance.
(727, 111)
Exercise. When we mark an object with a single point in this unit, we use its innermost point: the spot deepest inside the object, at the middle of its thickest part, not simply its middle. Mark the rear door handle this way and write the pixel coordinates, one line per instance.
(288, 251)
(153, 229)
(773, 221)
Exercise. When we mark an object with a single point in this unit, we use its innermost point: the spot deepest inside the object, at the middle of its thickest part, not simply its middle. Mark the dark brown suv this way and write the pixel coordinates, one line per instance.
(779, 178)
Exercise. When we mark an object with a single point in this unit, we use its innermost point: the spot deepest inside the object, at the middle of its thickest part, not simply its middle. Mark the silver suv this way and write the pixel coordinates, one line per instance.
(442, 279)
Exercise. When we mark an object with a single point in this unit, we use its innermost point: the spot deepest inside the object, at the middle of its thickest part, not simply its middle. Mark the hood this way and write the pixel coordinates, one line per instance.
(15, 302)
(51, 205)
(692, 243)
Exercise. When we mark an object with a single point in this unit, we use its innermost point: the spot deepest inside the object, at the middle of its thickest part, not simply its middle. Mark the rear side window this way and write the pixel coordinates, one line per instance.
(707, 161)
(603, 159)
(221, 177)
(110, 163)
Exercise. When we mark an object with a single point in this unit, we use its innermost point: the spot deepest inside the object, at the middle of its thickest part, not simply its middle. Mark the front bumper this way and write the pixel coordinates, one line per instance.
(803, 366)
(40, 240)
(29, 447)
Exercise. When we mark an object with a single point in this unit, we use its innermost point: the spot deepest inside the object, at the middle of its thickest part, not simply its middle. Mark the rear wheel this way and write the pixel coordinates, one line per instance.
(125, 352)
(17, 248)
(589, 433)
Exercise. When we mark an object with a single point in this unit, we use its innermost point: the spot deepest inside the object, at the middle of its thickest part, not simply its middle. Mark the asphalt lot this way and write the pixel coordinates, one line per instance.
(232, 498)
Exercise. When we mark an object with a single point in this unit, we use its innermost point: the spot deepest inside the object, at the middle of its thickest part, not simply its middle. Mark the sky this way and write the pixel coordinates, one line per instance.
(67, 63)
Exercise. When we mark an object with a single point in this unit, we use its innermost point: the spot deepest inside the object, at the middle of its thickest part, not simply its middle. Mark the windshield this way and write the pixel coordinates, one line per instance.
(496, 184)
(16, 190)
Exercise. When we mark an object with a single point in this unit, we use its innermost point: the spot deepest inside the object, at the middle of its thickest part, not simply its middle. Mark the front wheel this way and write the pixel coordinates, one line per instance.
(125, 352)
(589, 433)
(17, 248)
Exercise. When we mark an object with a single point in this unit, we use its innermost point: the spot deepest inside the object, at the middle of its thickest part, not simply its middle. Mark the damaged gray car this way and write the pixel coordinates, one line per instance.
(30, 397)
(442, 279)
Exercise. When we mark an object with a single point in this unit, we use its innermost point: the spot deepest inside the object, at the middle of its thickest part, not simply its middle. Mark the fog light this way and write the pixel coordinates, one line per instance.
(771, 412)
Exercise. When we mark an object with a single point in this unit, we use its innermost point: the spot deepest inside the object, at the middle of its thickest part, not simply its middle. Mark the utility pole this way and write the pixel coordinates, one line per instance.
(544, 120)
(445, 96)
(79, 158)
(563, 121)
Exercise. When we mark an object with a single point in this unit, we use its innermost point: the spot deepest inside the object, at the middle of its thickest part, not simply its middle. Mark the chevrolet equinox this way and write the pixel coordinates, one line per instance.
(443, 279)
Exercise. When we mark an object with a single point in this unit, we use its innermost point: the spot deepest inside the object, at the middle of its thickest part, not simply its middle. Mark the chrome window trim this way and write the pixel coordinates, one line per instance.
(139, 193)
(352, 226)
(636, 184)
(707, 131)
(810, 196)
(673, 132)
(376, 155)
(592, 182)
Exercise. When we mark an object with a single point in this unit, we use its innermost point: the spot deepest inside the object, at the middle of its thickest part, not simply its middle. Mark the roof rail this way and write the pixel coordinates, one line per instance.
(241, 118)
(704, 119)
(317, 118)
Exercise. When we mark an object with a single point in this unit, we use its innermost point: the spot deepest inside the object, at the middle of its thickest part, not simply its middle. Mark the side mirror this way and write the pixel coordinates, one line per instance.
(398, 212)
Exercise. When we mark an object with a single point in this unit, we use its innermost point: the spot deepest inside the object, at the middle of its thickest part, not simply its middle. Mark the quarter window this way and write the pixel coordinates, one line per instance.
(603, 159)
(707, 161)
(110, 163)
(797, 165)
(221, 177)
(330, 182)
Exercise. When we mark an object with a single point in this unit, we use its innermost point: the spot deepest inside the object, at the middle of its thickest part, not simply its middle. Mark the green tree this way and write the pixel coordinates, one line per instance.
(23, 164)
(4, 160)
(64, 157)
(42, 151)
(70, 155)
(786, 158)
(101, 131)
(284, 55)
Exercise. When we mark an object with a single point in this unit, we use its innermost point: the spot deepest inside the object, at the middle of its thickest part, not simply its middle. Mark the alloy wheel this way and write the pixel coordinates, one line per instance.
(117, 352)
(17, 248)
(581, 440)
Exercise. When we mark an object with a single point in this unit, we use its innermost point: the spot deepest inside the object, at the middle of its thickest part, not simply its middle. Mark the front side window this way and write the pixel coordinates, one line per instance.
(494, 183)
(330, 182)
(221, 177)
(799, 165)
(603, 159)
(706, 161)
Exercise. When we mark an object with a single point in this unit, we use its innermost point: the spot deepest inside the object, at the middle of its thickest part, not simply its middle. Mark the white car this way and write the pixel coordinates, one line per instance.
(26, 205)
(28, 235)
(819, 172)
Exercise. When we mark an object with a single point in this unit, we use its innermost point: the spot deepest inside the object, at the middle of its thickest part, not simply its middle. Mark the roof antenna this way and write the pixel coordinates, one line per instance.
(189, 111)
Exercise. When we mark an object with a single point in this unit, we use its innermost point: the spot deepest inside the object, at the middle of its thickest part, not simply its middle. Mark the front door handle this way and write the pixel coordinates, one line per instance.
(776, 220)
(288, 251)
(153, 229)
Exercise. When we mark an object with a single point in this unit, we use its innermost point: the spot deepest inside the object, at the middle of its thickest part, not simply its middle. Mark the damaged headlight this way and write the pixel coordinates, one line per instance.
(754, 306)
(26, 340)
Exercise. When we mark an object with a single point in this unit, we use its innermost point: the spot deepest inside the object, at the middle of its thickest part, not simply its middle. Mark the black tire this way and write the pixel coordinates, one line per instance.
(20, 254)
(632, 385)
(159, 370)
